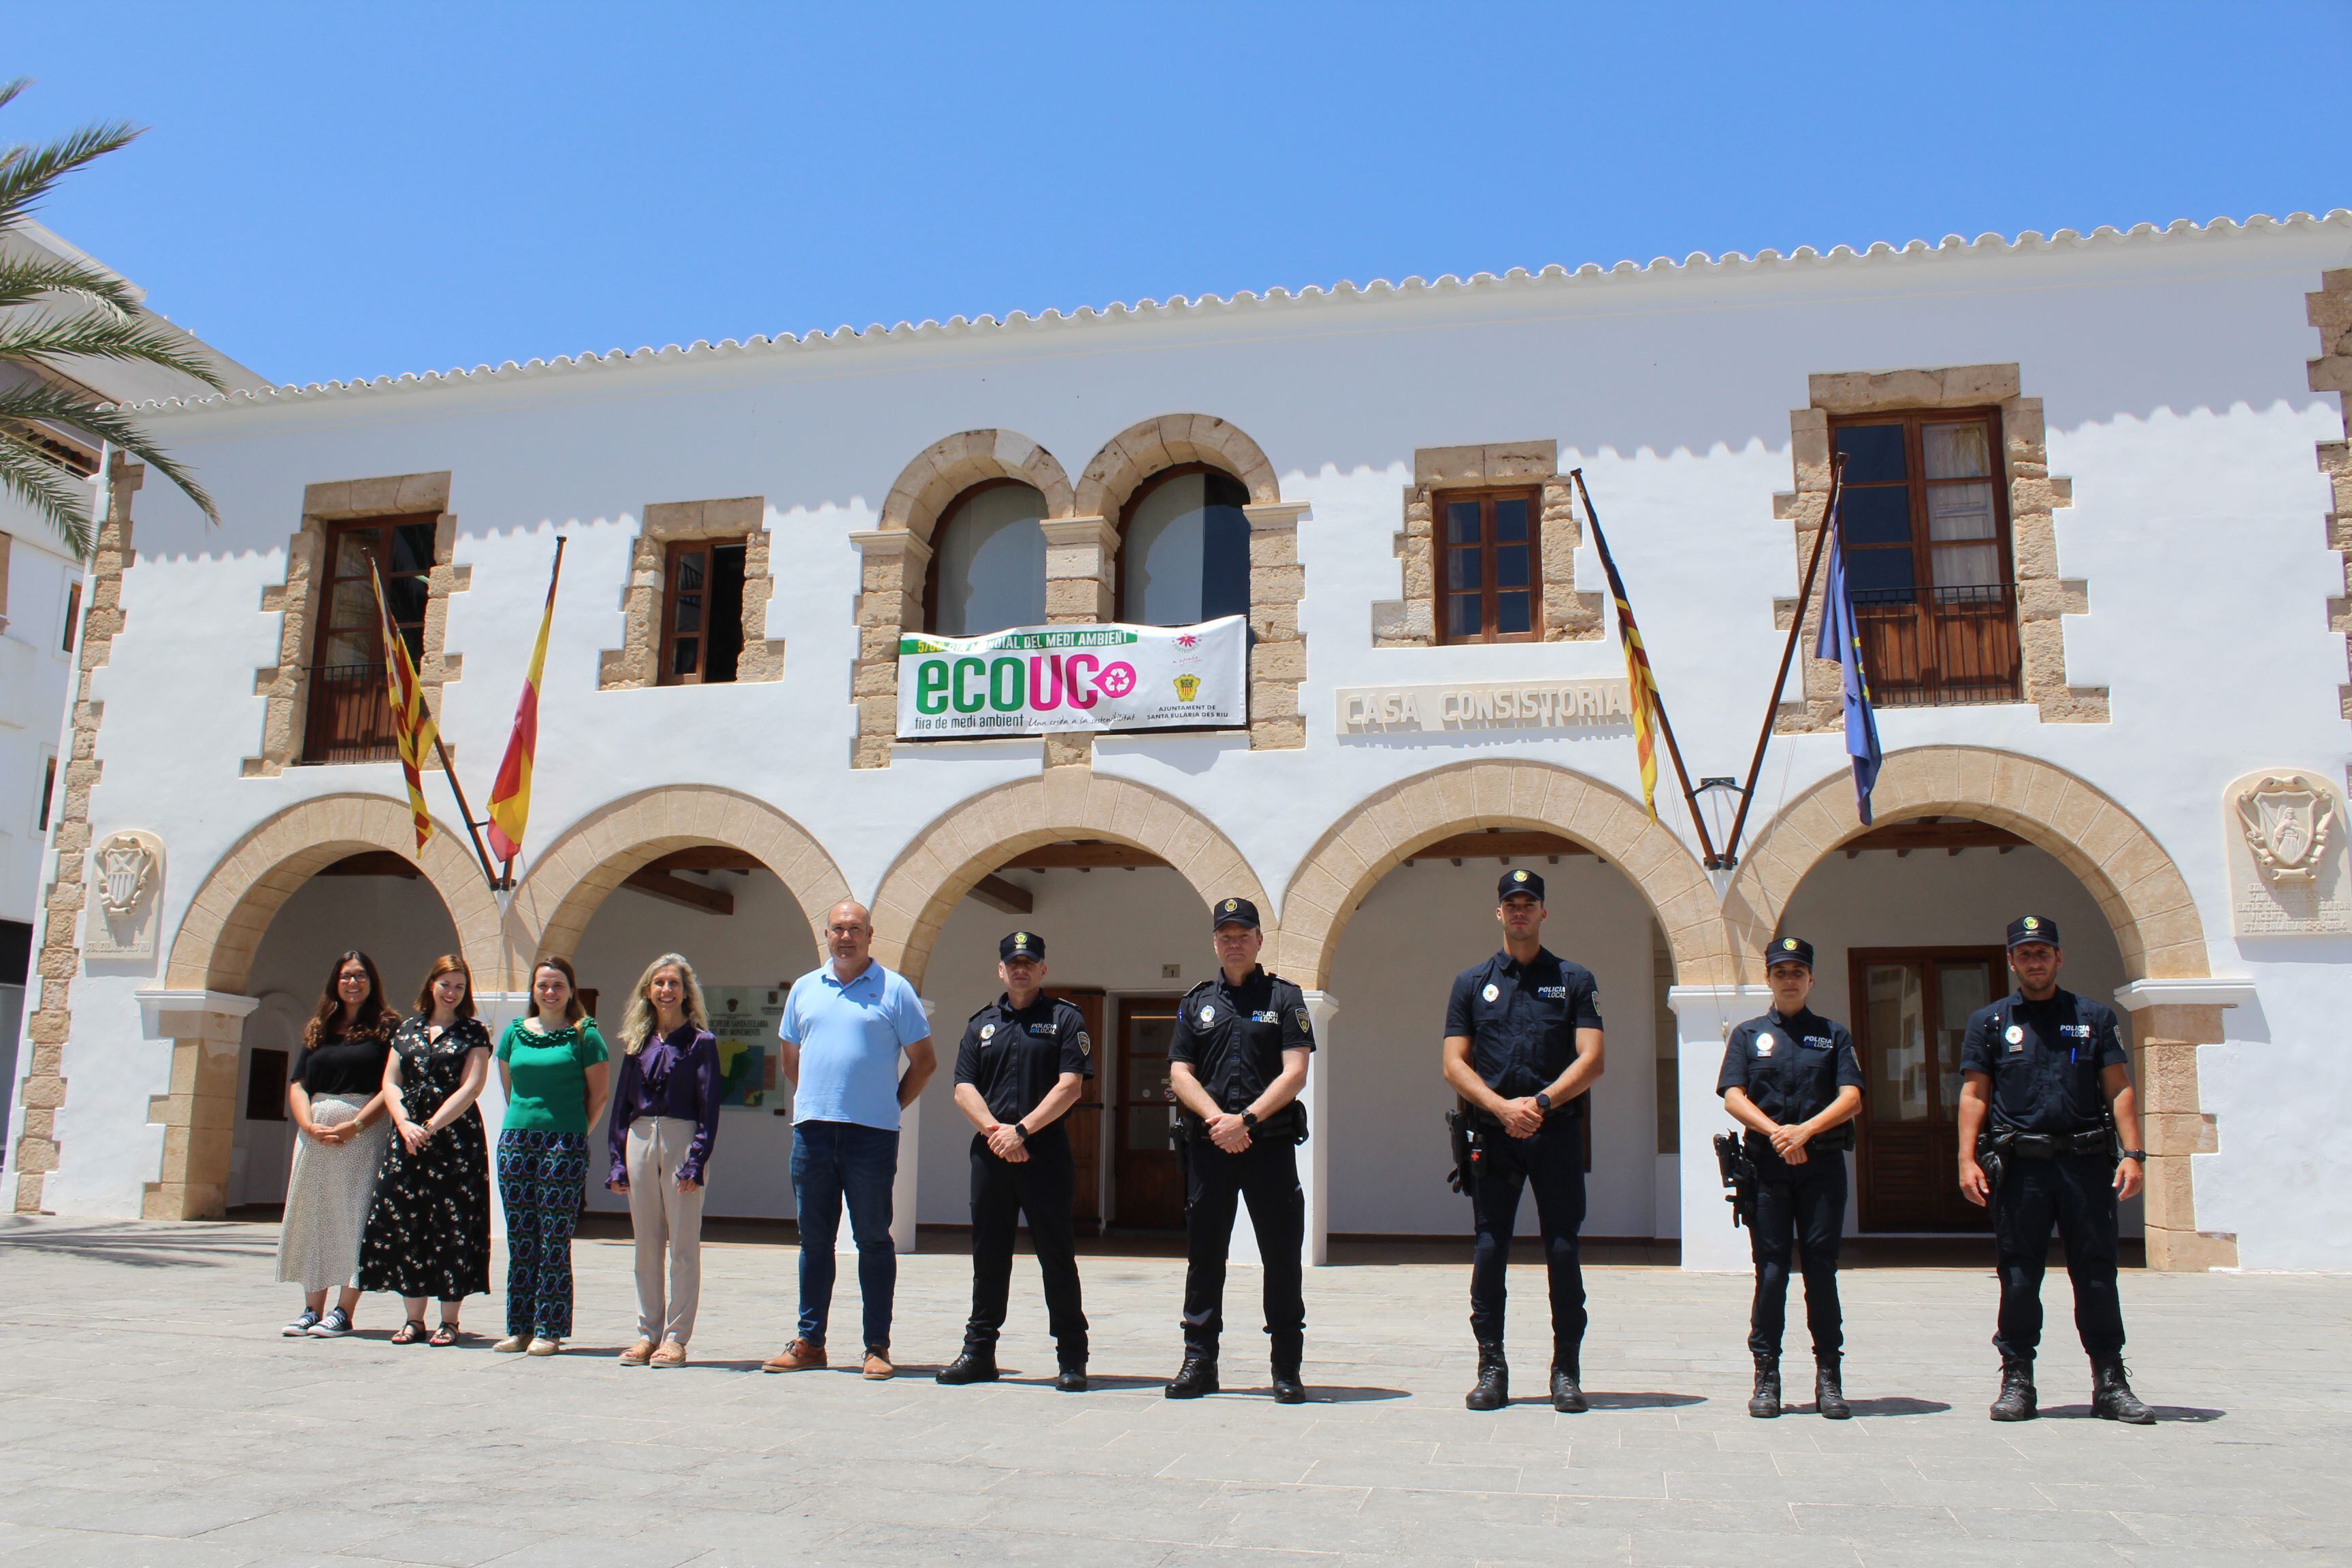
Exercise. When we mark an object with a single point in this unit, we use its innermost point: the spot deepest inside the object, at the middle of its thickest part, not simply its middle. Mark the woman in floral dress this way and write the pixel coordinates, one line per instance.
(430, 1232)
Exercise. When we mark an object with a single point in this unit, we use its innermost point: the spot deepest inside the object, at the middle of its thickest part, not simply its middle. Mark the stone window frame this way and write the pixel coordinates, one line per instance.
(2329, 311)
(635, 664)
(1569, 616)
(2034, 494)
(1082, 541)
(285, 685)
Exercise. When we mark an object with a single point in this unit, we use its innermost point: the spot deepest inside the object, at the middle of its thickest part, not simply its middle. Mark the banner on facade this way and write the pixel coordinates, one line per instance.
(1034, 679)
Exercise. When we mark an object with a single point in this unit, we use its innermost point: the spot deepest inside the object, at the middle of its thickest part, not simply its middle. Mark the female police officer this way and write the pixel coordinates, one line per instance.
(1792, 1080)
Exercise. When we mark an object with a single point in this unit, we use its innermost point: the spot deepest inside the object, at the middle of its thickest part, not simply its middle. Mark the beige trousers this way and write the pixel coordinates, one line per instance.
(665, 1220)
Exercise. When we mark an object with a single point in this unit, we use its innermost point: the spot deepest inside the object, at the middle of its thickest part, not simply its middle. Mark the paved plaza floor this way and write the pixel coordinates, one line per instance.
(150, 1414)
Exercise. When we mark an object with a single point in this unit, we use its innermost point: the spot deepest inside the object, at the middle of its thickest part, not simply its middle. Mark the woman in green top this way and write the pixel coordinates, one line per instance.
(551, 1064)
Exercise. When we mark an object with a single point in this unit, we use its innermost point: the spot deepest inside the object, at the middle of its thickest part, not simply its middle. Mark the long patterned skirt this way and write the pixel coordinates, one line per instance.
(430, 1232)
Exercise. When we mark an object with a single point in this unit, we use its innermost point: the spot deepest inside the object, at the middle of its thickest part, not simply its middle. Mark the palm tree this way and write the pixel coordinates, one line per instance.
(54, 311)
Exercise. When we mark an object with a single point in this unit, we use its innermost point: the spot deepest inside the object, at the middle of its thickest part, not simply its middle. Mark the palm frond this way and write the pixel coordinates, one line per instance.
(31, 477)
(8, 91)
(41, 338)
(76, 411)
(24, 279)
(27, 173)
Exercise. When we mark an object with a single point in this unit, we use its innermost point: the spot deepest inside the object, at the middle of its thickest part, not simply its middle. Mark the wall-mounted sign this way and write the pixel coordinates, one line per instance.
(744, 1017)
(126, 887)
(1560, 705)
(2288, 865)
(1033, 680)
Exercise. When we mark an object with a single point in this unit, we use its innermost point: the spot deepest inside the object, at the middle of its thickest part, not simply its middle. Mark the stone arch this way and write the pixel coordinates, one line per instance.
(571, 880)
(214, 947)
(2141, 892)
(1139, 451)
(1380, 832)
(968, 841)
(945, 470)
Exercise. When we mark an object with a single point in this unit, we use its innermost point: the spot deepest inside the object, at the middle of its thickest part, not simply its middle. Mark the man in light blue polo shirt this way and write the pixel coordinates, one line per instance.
(844, 1027)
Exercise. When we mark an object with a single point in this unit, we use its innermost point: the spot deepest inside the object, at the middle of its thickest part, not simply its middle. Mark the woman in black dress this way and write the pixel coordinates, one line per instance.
(430, 1232)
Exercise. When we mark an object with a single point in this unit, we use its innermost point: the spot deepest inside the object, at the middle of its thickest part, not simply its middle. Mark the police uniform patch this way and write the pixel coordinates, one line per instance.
(1491, 992)
(1232, 904)
(1208, 1015)
(1765, 1042)
(1086, 1046)
(1519, 876)
(2016, 1035)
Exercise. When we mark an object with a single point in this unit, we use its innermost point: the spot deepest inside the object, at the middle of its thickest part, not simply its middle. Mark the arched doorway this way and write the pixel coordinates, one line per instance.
(1966, 838)
(1399, 896)
(248, 963)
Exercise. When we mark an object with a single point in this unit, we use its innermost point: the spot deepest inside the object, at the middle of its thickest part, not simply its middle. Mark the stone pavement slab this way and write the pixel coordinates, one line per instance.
(151, 1415)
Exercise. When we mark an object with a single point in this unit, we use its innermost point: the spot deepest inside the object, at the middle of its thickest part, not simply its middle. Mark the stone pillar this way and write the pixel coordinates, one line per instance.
(890, 601)
(497, 1009)
(1314, 1155)
(1081, 575)
(1277, 657)
(1704, 1016)
(2170, 1019)
(198, 1116)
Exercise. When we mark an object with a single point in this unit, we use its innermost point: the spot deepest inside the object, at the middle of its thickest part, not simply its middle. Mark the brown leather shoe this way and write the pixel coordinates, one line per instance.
(671, 1353)
(637, 1354)
(798, 1356)
(878, 1363)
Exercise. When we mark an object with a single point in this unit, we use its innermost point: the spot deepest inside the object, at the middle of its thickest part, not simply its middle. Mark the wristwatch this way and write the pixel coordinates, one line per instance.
(1021, 1131)
(2139, 1155)
(1543, 1102)
(1249, 1120)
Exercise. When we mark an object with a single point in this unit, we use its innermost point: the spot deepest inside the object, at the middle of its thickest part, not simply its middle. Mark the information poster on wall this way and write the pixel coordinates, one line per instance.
(744, 1017)
(1031, 680)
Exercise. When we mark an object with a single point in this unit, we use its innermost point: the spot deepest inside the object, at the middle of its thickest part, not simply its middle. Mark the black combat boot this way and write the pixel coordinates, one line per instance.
(1287, 1388)
(2017, 1399)
(1765, 1403)
(2112, 1399)
(1829, 1390)
(1493, 1390)
(1567, 1397)
(977, 1363)
(1072, 1378)
(1196, 1377)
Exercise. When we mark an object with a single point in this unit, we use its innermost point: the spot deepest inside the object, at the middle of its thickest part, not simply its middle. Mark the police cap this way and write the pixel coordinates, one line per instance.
(1520, 881)
(1789, 949)
(2032, 928)
(1233, 913)
(1023, 944)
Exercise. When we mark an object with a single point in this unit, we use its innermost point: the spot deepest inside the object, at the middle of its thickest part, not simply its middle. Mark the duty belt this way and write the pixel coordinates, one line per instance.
(2051, 1145)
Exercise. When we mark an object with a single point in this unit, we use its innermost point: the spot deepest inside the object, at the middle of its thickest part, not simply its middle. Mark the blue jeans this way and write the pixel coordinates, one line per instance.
(833, 1160)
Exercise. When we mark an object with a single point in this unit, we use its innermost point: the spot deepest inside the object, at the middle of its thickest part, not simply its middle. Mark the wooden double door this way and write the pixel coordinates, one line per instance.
(1145, 1182)
(1911, 1008)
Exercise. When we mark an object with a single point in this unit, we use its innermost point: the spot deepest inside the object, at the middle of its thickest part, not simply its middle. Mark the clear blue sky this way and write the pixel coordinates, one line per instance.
(335, 191)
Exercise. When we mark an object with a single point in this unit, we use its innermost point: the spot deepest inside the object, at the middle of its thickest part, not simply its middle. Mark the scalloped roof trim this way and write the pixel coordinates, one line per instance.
(1697, 261)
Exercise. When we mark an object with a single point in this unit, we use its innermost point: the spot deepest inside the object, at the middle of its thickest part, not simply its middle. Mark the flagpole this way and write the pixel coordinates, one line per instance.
(1666, 725)
(1788, 654)
(440, 747)
(554, 578)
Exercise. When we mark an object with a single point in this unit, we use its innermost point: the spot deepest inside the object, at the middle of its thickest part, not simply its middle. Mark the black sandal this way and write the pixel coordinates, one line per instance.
(409, 1332)
(446, 1335)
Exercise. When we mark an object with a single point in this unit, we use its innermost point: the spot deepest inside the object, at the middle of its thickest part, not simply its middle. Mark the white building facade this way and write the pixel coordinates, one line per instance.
(2103, 571)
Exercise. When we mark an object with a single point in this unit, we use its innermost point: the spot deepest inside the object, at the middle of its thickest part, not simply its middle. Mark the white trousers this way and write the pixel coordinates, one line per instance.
(665, 1221)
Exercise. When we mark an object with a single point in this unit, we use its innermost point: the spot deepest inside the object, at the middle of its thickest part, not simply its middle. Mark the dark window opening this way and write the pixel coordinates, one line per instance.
(703, 611)
(1924, 534)
(350, 719)
(1184, 549)
(265, 1087)
(49, 788)
(1489, 567)
(73, 618)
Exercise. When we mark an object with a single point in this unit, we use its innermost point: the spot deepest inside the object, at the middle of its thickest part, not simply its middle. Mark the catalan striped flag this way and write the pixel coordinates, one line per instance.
(413, 728)
(510, 796)
(1643, 686)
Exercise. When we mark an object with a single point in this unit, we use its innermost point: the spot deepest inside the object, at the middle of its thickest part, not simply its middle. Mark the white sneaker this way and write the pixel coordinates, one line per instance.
(333, 1326)
(300, 1327)
(545, 1346)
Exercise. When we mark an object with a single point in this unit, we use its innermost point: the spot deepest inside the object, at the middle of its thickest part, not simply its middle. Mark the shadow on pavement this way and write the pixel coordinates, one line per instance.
(1895, 1405)
(1638, 1401)
(2186, 1415)
(140, 1247)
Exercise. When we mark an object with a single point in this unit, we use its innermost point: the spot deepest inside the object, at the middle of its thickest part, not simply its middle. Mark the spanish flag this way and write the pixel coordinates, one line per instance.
(411, 722)
(1640, 682)
(510, 796)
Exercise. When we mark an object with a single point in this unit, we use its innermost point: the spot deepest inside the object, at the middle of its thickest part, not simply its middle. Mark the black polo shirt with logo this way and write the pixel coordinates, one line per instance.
(1792, 1069)
(1233, 1036)
(1015, 1056)
(1521, 1019)
(2044, 1059)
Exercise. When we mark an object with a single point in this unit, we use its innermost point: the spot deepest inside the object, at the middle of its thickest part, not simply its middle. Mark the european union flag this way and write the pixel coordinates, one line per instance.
(1842, 640)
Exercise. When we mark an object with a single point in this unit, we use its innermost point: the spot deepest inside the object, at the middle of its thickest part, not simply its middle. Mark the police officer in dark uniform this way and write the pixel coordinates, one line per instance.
(1522, 1046)
(1023, 1062)
(1236, 1066)
(1792, 1079)
(2048, 1091)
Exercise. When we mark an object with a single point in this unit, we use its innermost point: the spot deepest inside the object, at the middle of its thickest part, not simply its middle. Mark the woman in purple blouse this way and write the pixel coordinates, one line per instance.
(664, 1120)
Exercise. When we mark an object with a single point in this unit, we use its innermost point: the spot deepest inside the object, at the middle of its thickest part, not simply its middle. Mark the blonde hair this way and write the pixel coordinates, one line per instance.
(638, 1027)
